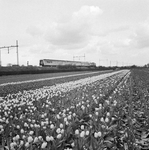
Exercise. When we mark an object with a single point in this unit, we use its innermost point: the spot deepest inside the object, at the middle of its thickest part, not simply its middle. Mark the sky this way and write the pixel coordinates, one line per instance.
(107, 32)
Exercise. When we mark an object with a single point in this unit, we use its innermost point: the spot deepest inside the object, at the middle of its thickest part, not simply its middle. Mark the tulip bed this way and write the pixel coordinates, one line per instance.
(38, 81)
(140, 107)
(94, 113)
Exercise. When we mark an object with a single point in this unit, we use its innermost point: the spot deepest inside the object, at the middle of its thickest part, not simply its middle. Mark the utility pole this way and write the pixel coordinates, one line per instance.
(0, 59)
(27, 63)
(8, 47)
(107, 62)
(17, 52)
(78, 57)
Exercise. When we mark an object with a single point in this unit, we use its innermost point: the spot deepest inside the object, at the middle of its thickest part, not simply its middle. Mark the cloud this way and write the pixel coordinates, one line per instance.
(34, 31)
(108, 49)
(84, 33)
(136, 40)
(140, 37)
(81, 32)
(118, 29)
(77, 32)
(122, 43)
(87, 12)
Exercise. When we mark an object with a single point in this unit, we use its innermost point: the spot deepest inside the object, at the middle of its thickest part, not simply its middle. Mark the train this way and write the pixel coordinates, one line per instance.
(56, 63)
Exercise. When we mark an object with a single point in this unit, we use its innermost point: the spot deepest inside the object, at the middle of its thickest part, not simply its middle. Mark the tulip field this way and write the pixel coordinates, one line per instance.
(108, 111)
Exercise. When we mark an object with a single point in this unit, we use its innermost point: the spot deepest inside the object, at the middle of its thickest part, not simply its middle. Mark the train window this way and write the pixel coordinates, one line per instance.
(41, 62)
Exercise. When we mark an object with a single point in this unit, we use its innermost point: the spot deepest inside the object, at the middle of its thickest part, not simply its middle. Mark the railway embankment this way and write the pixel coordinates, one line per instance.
(17, 70)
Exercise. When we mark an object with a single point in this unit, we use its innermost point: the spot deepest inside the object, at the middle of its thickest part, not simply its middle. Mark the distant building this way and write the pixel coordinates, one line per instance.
(9, 64)
(147, 65)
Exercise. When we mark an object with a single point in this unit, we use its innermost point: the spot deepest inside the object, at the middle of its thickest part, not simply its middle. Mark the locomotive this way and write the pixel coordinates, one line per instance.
(56, 63)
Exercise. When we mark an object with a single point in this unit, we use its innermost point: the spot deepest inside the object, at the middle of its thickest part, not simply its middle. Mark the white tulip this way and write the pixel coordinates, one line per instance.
(74, 114)
(21, 142)
(65, 119)
(62, 131)
(48, 138)
(107, 120)
(22, 131)
(77, 132)
(51, 138)
(59, 136)
(82, 134)
(69, 117)
(31, 132)
(82, 127)
(30, 139)
(67, 122)
(51, 126)
(58, 130)
(73, 144)
(35, 140)
(96, 135)
(17, 137)
(96, 113)
(44, 144)
(61, 125)
(99, 134)
(102, 119)
(87, 132)
(1, 127)
(27, 144)
(108, 114)
(23, 137)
